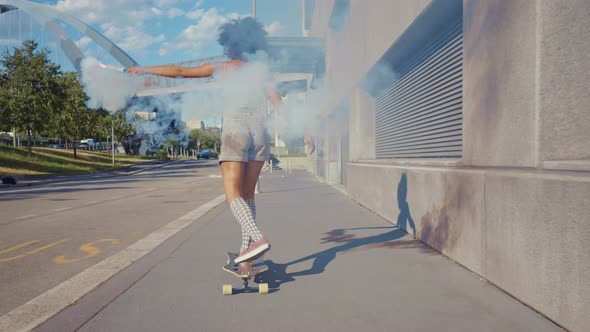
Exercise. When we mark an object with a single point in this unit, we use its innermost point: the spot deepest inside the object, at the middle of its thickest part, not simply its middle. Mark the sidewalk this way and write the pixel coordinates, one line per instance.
(29, 181)
(335, 266)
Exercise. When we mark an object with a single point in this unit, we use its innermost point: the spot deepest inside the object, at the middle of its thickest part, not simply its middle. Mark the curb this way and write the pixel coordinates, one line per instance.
(38, 310)
(105, 176)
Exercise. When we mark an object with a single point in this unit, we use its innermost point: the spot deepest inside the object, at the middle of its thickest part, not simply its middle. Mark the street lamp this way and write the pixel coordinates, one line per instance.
(113, 140)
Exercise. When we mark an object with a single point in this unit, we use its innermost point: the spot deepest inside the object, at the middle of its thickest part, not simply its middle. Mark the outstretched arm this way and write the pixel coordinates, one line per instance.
(205, 70)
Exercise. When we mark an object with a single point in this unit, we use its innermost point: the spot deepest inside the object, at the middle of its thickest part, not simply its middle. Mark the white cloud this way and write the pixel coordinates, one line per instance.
(195, 14)
(83, 42)
(196, 37)
(98, 11)
(174, 12)
(167, 3)
(157, 11)
(274, 28)
(122, 21)
(131, 37)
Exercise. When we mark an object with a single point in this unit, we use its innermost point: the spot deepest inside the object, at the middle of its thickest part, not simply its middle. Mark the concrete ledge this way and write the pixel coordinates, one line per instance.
(567, 165)
(443, 209)
(415, 162)
(536, 244)
(524, 230)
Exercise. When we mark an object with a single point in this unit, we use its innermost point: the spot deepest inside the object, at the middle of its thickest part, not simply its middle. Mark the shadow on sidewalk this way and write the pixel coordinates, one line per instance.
(278, 275)
(391, 239)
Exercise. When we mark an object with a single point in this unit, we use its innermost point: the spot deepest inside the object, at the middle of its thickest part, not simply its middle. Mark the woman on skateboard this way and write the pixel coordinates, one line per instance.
(245, 143)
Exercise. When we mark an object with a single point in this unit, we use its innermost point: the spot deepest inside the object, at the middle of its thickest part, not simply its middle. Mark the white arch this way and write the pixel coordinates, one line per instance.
(47, 15)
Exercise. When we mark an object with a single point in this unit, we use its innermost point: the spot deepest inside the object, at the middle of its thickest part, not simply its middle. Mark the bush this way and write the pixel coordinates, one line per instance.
(163, 154)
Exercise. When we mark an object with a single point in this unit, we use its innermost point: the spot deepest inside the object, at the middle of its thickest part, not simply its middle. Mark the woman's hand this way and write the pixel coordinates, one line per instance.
(135, 70)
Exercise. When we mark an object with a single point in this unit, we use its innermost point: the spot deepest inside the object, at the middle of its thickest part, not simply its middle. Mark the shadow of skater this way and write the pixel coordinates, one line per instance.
(404, 209)
(278, 274)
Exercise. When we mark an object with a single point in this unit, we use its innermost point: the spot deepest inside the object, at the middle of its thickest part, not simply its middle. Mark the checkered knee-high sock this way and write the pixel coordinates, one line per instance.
(246, 239)
(245, 217)
(252, 204)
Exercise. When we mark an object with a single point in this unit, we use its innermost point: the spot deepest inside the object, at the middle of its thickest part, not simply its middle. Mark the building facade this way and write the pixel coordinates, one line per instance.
(469, 126)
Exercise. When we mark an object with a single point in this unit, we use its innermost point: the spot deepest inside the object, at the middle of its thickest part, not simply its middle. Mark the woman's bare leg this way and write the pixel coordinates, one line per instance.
(252, 172)
(232, 173)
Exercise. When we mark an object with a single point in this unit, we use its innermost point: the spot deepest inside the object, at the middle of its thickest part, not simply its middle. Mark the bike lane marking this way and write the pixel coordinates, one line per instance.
(38, 310)
(26, 244)
(89, 249)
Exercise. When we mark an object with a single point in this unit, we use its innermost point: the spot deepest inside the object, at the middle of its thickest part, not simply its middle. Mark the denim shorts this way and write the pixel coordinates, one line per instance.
(244, 137)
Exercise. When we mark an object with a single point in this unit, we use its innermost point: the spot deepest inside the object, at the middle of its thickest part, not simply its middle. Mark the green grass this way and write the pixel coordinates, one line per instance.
(15, 161)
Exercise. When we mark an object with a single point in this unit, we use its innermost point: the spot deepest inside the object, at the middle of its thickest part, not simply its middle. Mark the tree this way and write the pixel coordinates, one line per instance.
(209, 140)
(74, 120)
(5, 115)
(29, 88)
(101, 124)
(121, 125)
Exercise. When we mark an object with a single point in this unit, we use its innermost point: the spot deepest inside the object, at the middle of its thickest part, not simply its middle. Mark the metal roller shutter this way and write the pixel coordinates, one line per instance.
(421, 114)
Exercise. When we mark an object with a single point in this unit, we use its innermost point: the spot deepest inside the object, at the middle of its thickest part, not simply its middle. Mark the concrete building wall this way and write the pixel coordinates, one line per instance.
(361, 126)
(564, 67)
(372, 25)
(511, 209)
(499, 83)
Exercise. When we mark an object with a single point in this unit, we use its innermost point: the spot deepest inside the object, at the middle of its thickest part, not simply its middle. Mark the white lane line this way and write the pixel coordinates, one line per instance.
(38, 310)
(62, 209)
(91, 202)
(26, 217)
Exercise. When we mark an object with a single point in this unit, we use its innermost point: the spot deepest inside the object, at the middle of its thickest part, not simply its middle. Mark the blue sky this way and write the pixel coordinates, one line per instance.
(166, 31)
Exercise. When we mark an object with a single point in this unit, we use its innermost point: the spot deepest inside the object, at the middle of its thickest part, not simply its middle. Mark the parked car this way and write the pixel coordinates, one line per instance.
(86, 144)
(207, 154)
(55, 146)
(152, 151)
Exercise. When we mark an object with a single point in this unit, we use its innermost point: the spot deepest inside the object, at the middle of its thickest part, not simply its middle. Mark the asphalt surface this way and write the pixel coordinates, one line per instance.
(335, 266)
(49, 233)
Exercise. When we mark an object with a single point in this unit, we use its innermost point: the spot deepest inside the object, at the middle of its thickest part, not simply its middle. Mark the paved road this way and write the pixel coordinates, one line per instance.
(52, 232)
(335, 266)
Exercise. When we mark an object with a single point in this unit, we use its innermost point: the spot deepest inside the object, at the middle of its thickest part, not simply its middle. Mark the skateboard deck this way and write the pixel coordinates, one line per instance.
(245, 271)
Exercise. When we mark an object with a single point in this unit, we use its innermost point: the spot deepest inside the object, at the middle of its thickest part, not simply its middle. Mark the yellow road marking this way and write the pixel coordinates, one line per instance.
(18, 246)
(88, 248)
(22, 245)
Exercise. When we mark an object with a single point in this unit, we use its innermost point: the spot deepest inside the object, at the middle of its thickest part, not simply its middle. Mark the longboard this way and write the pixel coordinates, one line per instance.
(245, 271)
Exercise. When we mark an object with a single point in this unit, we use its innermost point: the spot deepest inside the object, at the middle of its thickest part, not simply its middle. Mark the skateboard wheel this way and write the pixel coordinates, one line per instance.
(263, 288)
(228, 290)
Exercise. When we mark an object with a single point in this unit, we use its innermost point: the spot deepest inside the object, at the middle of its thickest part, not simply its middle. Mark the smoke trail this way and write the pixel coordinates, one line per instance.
(107, 86)
(303, 112)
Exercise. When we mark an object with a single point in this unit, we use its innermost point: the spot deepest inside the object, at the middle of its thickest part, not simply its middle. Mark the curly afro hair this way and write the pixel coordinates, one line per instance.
(243, 36)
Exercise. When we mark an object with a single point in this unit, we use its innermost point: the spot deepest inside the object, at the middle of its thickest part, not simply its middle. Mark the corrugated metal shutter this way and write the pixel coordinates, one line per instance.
(421, 114)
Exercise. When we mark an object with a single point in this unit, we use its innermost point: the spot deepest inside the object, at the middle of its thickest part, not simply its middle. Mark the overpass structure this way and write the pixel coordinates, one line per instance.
(295, 62)
(298, 59)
